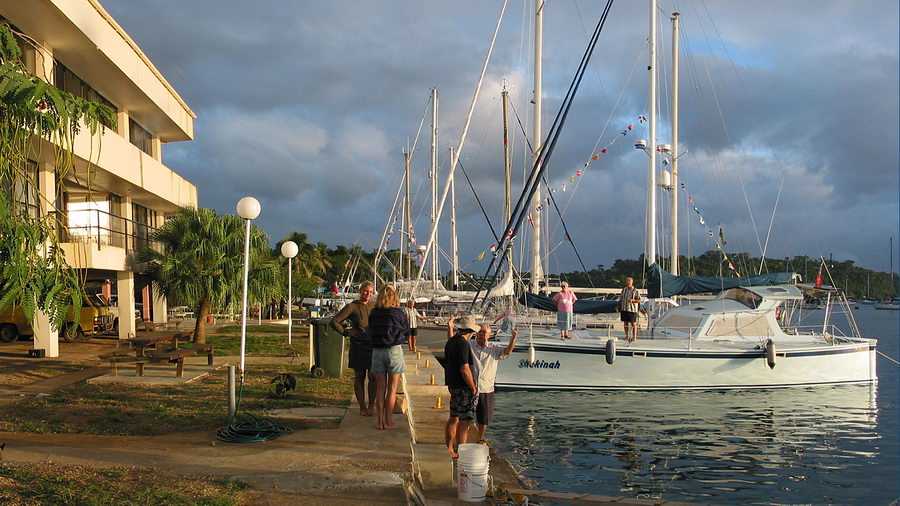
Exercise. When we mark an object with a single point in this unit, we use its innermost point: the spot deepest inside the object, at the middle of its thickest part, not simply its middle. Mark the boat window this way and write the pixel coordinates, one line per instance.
(744, 296)
(740, 325)
(679, 321)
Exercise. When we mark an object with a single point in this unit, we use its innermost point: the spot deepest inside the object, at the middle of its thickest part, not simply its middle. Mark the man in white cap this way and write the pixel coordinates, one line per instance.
(460, 380)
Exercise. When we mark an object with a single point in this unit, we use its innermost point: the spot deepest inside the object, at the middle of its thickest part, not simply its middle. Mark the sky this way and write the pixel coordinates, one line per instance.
(789, 116)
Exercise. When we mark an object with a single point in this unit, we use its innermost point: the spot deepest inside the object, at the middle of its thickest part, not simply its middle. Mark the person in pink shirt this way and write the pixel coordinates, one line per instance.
(565, 303)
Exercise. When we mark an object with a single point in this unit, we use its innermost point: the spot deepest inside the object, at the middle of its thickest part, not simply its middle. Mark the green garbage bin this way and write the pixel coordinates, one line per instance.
(326, 349)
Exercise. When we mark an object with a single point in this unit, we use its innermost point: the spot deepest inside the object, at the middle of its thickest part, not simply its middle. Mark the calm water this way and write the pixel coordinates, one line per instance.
(816, 445)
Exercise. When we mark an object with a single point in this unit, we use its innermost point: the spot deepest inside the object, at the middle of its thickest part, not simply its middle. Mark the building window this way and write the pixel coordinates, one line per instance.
(140, 137)
(22, 192)
(66, 80)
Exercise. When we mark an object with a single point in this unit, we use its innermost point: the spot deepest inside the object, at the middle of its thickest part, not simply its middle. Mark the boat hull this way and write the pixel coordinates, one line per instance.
(568, 367)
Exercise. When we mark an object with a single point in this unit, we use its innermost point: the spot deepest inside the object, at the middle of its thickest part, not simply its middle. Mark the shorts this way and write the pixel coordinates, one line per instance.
(360, 357)
(414, 331)
(462, 403)
(564, 321)
(628, 317)
(388, 360)
(484, 410)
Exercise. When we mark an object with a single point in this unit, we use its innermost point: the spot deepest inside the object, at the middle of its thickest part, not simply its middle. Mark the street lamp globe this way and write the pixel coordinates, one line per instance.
(248, 208)
(289, 249)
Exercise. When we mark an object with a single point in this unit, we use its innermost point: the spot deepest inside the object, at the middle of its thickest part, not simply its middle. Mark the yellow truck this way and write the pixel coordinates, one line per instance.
(13, 322)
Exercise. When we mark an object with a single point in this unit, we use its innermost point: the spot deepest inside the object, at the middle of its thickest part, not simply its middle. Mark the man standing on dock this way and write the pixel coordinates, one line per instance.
(460, 379)
(487, 356)
(357, 312)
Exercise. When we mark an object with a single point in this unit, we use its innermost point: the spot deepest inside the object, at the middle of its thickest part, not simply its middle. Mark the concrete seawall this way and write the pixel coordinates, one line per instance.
(427, 411)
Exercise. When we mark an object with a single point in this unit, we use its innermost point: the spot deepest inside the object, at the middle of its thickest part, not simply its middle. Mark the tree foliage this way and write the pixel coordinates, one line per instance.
(38, 121)
(200, 263)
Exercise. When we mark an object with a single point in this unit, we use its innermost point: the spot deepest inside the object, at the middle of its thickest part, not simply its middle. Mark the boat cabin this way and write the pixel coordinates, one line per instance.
(743, 313)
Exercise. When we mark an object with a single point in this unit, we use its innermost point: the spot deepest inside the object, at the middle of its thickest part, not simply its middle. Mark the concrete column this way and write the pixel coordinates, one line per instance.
(160, 309)
(122, 124)
(125, 289)
(43, 62)
(145, 302)
(45, 337)
(156, 149)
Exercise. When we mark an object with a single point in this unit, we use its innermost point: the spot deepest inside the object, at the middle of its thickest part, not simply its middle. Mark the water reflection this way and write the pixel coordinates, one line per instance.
(784, 445)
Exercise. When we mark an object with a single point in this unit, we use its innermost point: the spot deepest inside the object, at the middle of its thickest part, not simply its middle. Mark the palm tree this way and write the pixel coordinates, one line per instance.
(200, 262)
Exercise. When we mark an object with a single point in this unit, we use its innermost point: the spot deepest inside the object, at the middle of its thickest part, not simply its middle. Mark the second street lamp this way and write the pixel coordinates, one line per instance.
(289, 250)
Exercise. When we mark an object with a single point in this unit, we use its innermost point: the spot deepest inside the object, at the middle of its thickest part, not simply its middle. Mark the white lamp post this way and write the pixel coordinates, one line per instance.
(247, 208)
(289, 250)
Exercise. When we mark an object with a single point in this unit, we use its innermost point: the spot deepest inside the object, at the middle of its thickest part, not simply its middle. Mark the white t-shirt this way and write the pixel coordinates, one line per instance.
(486, 360)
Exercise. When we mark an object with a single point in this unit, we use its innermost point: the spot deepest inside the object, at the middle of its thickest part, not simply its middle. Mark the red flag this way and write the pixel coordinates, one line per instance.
(819, 279)
(334, 288)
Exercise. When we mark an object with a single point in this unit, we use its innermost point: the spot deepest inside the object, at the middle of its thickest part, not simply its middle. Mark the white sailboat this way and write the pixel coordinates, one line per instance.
(892, 304)
(744, 338)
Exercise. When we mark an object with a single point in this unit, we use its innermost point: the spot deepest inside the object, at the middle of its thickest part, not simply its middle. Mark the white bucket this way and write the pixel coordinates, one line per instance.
(473, 467)
(472, 487)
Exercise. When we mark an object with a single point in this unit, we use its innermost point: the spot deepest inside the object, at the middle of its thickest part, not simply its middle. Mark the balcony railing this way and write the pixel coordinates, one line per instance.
(102, 228)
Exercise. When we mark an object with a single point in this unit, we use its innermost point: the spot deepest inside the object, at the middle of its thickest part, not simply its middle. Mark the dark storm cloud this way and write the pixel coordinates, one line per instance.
(308, 105)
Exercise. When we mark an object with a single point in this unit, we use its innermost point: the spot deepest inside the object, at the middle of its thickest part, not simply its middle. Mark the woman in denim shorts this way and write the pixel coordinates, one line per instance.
(388, 329)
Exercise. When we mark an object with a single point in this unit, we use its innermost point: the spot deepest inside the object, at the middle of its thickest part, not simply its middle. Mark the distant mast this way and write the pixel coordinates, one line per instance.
(404, 248)
(674, 154)
(434, 182)
(507, 175)
(537, 268)
(454, 245)
(650, 253)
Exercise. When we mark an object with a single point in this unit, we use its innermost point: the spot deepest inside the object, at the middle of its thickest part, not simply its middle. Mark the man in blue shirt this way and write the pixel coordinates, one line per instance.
(460, 381)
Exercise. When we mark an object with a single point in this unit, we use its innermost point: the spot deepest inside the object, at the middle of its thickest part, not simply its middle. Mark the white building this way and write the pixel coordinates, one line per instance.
(112, 204)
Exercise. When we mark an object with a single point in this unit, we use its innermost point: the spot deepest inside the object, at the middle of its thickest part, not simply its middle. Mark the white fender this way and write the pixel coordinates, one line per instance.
(770, 353)
(610, 351)
(531, 354)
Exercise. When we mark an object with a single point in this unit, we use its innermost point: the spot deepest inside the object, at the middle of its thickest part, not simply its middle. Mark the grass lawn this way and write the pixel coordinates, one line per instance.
(142, 410)
(38, 484)
(262, 340)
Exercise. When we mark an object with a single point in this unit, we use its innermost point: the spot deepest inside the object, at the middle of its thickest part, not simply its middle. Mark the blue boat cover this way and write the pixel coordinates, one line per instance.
(662, 284)
(582, 306)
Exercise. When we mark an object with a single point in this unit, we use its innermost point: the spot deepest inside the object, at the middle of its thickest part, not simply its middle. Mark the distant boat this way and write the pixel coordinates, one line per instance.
(868, 301)
(891, 305)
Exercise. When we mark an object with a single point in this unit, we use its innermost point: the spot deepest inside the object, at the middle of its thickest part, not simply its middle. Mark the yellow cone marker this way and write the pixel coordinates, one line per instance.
(418, 355)
(438, 402)
(427, 363)
(432, 380)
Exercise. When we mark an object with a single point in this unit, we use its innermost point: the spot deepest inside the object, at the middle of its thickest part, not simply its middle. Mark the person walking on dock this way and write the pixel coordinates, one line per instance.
(357, 312)
(460, 379)
(413, 316)
(629, 305)
(388, 328)
(565, 304)
(487, 356)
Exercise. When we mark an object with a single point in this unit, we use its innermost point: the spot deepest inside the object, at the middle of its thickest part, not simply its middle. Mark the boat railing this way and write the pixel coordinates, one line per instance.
(831, 333)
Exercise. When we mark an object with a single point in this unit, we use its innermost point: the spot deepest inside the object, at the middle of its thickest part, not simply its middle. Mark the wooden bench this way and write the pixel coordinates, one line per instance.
(164, 350)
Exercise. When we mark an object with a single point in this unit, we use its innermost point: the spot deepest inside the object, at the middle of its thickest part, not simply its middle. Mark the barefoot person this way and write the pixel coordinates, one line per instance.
(388, 328)
(487, 356)
(356, 314)
(629, 304)
(565, 304)
(413, 316)
(460, 380)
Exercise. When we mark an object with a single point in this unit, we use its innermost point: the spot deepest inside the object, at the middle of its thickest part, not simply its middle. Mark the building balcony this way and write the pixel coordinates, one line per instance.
(97, 239)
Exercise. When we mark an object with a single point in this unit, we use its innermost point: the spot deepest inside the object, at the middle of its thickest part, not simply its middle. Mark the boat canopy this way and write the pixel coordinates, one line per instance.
(662, 284)
(582, 306)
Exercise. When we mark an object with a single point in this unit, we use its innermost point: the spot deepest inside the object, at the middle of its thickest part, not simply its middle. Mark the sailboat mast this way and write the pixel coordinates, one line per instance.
(410, 248)
(507, 173)
(537, 268)
(434, 185)
(650, 253)
(454, 245)
(674, 212)
(403, 237)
